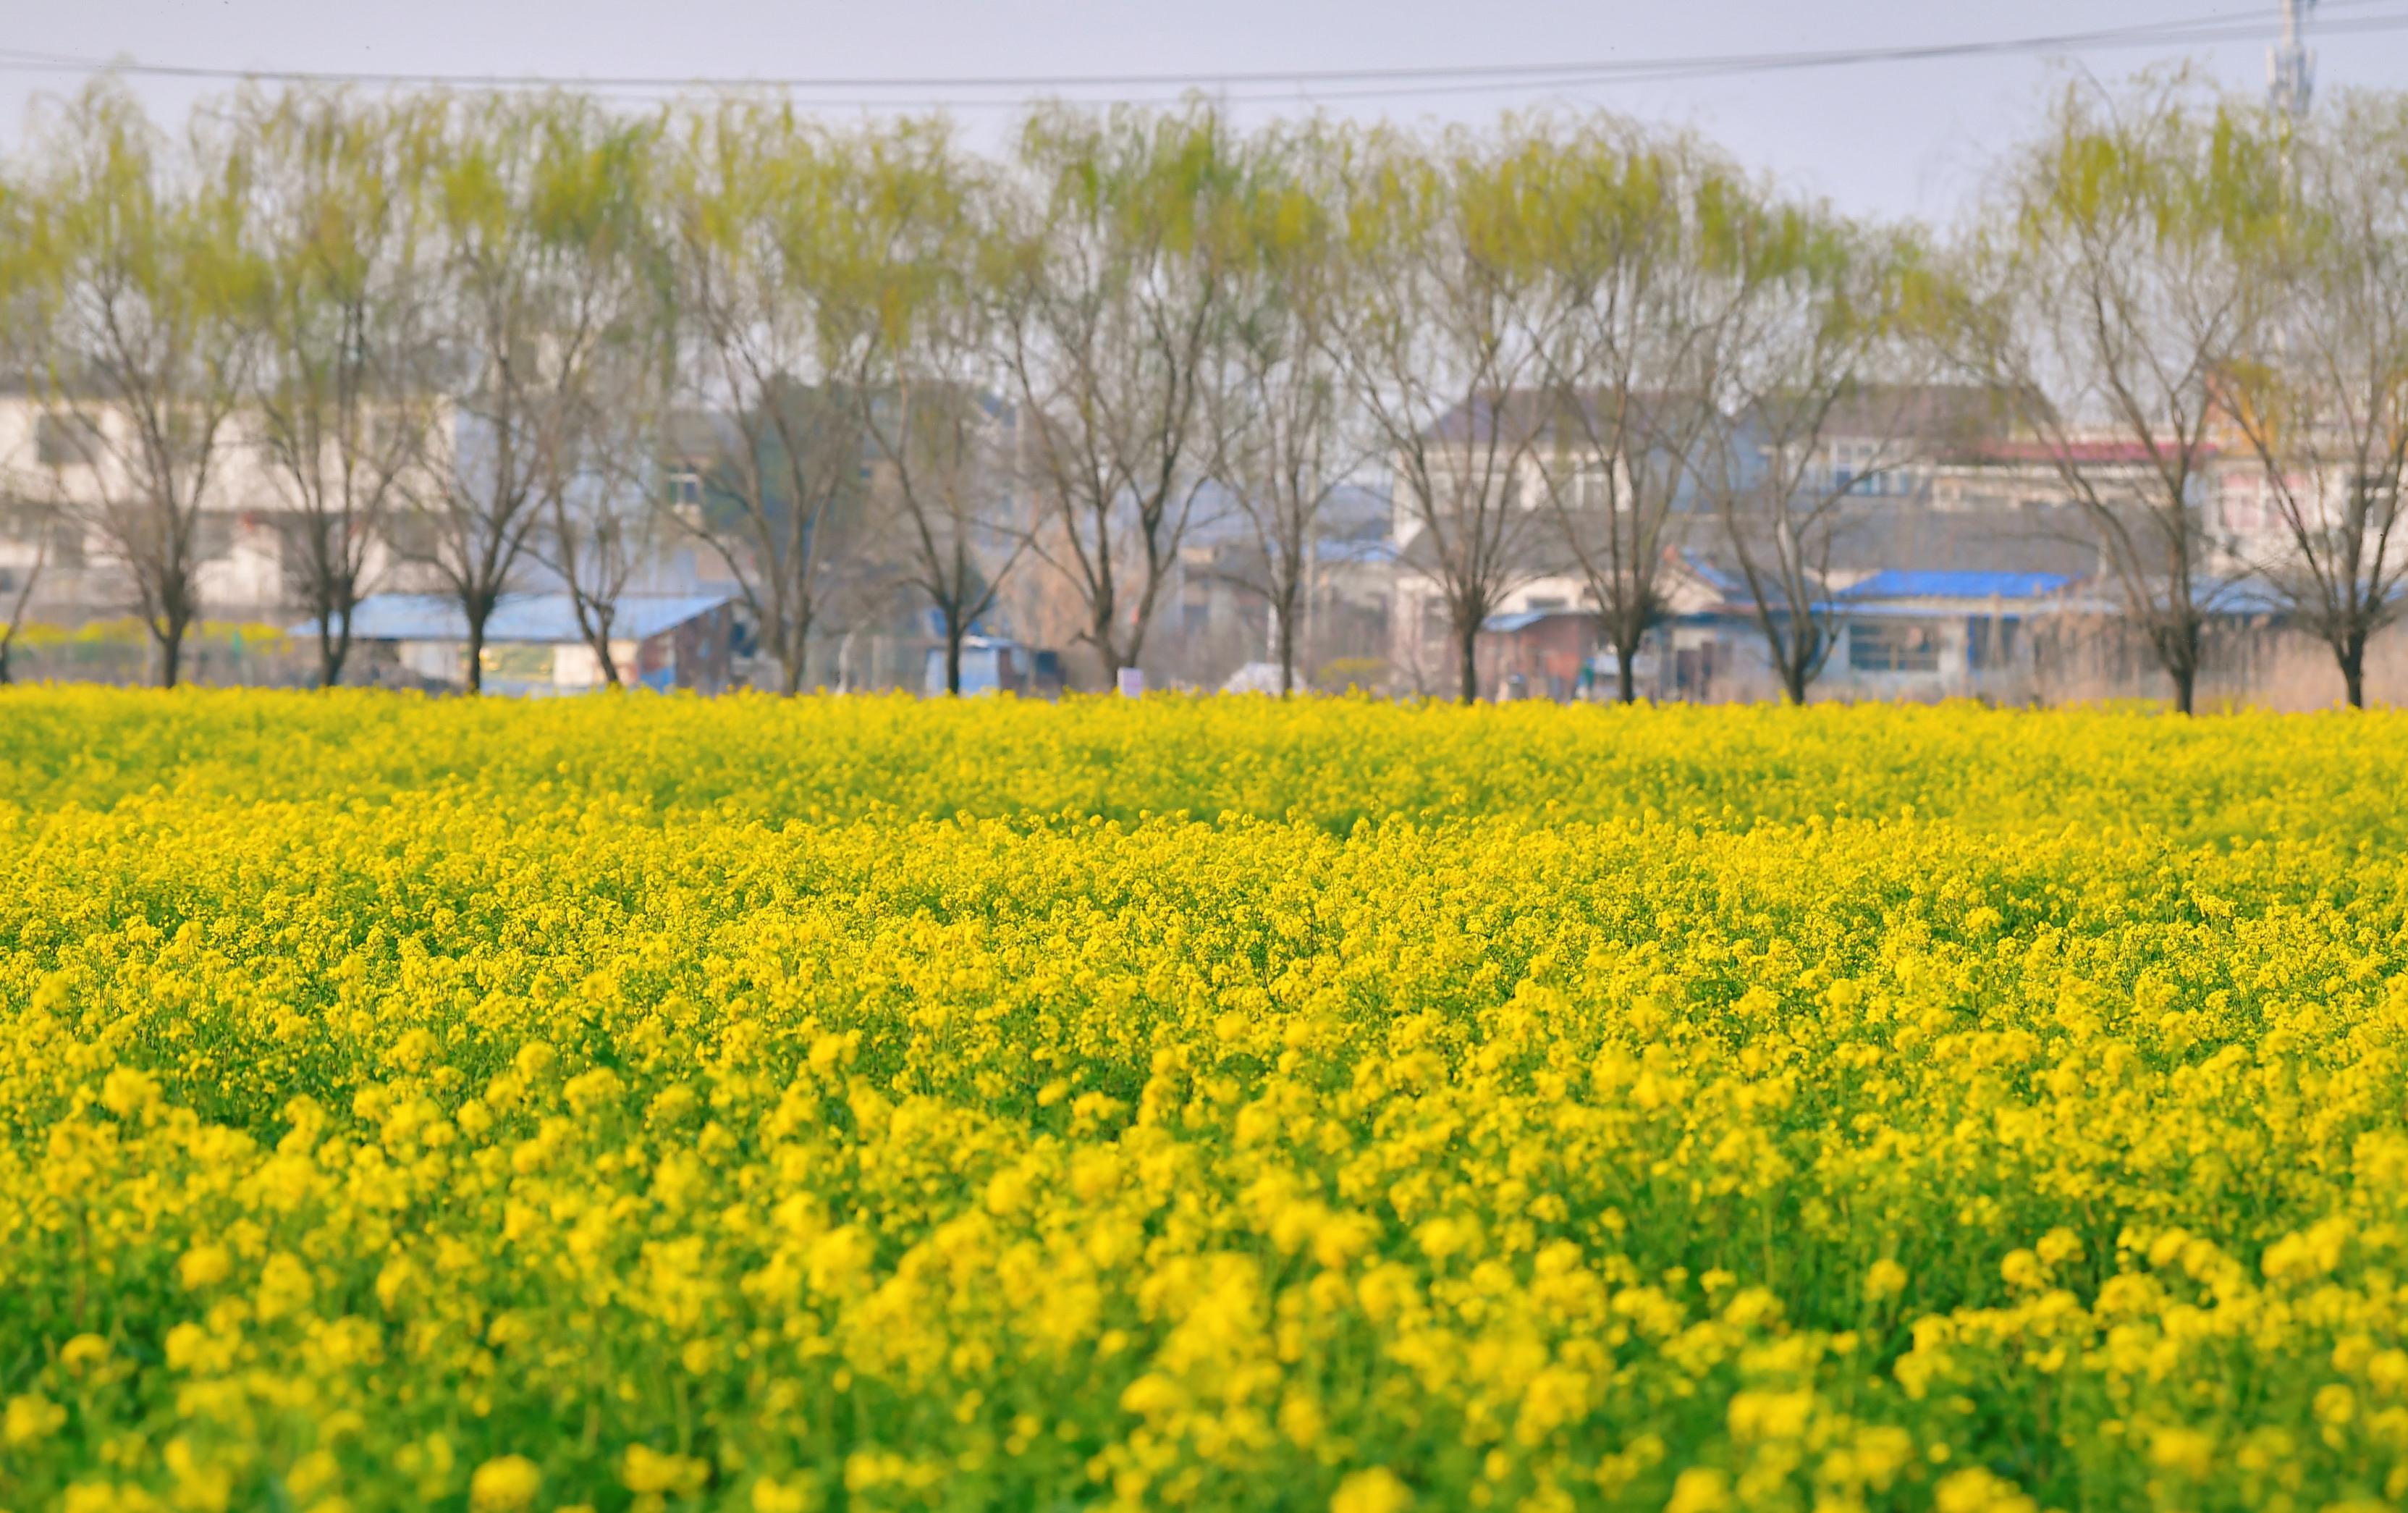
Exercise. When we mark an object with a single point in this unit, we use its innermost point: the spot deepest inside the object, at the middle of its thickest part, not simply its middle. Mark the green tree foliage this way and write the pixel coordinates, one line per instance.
(466, 338)
(133, 258)
(2113, 292)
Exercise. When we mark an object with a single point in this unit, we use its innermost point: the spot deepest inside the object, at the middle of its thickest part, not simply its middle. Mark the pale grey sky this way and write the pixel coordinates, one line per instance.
(1895, 138)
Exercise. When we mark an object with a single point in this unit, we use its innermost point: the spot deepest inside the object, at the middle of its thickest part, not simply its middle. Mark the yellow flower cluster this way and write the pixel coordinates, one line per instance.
(867, 1104)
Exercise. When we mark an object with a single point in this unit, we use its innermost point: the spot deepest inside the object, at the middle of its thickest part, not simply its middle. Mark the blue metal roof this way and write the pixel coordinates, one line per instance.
(520, 617)
(1505, 624)
(1915, 583)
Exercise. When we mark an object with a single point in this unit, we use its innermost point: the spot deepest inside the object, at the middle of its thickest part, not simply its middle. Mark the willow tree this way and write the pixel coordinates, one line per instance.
(343, 393)
(601, 487)
(754, 205)
(139, 280)
(1110, 297)
(2321, 402)
(1440, 355)
(538, 204)
(1286, 437)
(2113, 292)
(1643, 239)
(909, 330)
(1828, 341)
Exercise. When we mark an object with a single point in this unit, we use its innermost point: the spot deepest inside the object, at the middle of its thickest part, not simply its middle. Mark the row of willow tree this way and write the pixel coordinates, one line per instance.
(478, 326)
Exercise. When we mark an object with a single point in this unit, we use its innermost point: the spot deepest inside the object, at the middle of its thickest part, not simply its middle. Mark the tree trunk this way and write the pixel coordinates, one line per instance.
(16, 622)
(1792, 682)
(2178, 653)
(1799, 660)
(611, 678)
(171, 652)
(1469, 645)
(1625, 677)
(954, 632)
(333, 650)
(800, 672)
(1287, 645)
(2352, 655)
(476, 653)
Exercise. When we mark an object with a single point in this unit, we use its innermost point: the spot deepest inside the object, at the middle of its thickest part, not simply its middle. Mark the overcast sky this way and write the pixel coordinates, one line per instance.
(1894, 137)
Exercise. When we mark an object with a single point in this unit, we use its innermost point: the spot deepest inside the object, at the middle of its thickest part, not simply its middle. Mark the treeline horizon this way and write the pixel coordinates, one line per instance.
(483, 325)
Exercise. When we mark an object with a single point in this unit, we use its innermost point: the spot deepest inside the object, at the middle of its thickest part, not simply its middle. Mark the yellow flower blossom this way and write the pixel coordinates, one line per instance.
(646, 1470)
(1699, 1490)
(29, 1419)
(503, 1483)
(1378, 1489)
(851, 1102)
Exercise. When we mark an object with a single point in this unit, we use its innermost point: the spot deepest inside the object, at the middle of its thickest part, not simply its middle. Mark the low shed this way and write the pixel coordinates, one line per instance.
(533, 645)
(1539, 654)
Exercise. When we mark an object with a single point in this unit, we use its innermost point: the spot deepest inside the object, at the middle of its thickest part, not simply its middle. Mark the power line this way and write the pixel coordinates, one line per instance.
(1360, 83)
(1673, 70)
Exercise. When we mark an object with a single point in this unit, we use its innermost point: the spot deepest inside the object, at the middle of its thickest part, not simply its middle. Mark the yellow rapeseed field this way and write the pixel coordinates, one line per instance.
(869, 1103)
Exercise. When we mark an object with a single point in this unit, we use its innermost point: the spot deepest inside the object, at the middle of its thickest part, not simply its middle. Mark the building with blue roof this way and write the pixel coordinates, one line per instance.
(1940, 632)
(1899, 584)
(535, 645)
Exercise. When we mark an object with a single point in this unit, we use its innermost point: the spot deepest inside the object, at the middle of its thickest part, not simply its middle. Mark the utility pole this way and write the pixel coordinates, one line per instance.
(2290, 67)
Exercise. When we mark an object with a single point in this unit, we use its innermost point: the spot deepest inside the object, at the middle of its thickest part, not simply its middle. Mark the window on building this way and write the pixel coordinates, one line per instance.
(66, 544)
(1894, 647)
(213, 536)
(66, 441)
(685, 495)
(1593, 488)
(413, 535)
(1990, 643)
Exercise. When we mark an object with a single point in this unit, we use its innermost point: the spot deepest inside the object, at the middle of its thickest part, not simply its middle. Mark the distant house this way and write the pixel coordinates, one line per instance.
(990, 665)
(1548, 639)
(1894, 634)
(1940, 632)
(1539, 654)
(533, 645)
(1892, 442)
